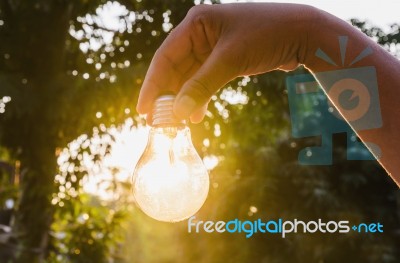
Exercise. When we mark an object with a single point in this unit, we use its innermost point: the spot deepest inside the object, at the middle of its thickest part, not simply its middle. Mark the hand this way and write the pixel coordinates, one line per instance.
(217, 43)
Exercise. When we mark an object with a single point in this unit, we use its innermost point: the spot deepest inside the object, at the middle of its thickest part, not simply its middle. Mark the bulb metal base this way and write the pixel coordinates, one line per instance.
(163, 114)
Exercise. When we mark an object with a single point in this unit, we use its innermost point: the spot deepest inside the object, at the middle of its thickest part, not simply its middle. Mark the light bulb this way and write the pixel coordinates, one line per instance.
(170, 181)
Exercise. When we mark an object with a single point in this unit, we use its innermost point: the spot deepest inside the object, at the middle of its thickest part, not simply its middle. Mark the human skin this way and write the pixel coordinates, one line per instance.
(215, 44)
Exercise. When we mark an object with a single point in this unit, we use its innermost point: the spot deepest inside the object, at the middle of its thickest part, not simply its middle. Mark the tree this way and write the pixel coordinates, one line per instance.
(56, 90)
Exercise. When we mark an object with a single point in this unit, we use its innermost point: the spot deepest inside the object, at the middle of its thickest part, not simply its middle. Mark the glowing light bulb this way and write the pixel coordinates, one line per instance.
(170, 181)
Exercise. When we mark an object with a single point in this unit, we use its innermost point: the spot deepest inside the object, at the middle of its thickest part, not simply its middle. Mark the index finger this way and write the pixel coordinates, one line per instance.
(167, 68)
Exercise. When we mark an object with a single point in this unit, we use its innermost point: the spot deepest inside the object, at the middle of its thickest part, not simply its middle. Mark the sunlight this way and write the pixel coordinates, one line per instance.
(127, 143)
(3, 101)
(119, 164)
(170, 177)
(210, 161)
(101, 27)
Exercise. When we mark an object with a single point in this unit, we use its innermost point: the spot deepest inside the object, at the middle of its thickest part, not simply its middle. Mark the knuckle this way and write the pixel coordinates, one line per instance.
(199, 13)
(197, 10)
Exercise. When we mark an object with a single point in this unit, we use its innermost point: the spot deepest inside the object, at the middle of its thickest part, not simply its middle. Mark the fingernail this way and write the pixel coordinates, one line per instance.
(184, 107)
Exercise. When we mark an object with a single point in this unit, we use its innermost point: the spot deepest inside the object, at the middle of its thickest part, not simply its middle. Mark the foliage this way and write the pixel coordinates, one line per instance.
(58, 92)
(90, 232)
(389, 40)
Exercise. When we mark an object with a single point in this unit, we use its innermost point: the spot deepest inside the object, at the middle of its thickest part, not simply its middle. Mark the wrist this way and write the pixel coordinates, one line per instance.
(307, 32)
(323, 33)
(312, 35)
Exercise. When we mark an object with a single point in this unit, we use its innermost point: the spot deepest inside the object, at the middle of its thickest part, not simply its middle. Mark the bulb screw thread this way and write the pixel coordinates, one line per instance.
(163, 114)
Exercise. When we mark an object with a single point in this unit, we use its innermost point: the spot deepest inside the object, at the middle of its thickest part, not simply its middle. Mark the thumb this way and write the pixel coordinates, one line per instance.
(197, 91)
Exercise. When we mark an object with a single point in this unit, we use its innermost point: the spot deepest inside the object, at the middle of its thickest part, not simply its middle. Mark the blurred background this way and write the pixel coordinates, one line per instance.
(70, 74)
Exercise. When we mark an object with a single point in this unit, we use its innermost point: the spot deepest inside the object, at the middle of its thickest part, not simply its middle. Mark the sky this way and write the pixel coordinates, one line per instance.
(380, 13)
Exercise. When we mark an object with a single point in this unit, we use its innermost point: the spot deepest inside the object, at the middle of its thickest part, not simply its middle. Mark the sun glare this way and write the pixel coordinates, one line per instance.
(127, 143)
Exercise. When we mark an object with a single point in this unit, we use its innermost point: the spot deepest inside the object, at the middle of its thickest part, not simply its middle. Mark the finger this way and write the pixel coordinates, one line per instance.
(211, 76)
(149, 118)
(183, 51)
(162, 77)
(171, 61)
(198, 115)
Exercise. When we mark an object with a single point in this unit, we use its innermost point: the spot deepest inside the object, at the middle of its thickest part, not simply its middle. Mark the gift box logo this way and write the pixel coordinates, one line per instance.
(353, 90)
